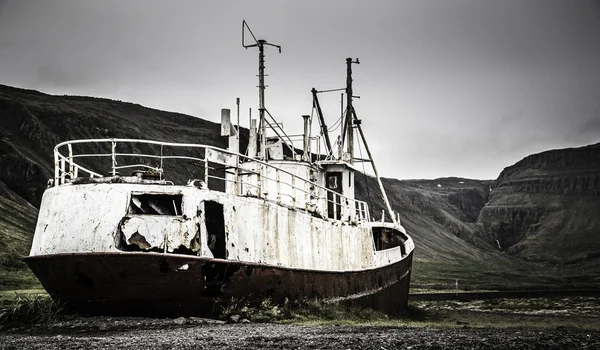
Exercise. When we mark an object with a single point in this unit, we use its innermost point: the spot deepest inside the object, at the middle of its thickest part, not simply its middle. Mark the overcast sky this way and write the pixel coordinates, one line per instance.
(447, 87)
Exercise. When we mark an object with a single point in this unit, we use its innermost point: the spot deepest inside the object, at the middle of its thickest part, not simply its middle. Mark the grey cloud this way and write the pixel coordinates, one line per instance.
(591, 126)
(448, 87)
(56, 76)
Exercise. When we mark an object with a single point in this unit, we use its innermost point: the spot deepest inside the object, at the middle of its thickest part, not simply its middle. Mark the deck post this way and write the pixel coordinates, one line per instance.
(56, 173)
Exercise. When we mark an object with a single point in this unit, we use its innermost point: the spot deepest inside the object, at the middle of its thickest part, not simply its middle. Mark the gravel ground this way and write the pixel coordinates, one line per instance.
(196, 333)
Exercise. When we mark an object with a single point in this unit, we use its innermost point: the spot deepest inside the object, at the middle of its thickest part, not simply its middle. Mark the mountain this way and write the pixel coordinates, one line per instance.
(532, 227)
(546, 208)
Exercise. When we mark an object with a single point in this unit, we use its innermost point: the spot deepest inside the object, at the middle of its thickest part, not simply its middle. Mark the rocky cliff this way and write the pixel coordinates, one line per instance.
(546, 207)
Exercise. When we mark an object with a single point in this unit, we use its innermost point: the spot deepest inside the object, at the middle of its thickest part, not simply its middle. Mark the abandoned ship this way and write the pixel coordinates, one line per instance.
(278, 221)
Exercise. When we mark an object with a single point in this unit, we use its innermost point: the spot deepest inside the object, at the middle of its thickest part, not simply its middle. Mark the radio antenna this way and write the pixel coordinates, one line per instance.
(261, 84)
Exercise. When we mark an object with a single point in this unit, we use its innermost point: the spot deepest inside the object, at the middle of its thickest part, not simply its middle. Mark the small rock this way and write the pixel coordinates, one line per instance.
(234, 319)
(198, 320)
(244, 320)
(179, 320)
(462, 322)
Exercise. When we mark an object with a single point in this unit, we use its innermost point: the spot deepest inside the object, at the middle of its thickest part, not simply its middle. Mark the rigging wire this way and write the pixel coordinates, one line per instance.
(337, 123)
(334, 150)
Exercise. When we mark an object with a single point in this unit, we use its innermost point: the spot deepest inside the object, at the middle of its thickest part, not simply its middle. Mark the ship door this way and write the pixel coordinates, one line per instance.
(215, 227)
(333, 181)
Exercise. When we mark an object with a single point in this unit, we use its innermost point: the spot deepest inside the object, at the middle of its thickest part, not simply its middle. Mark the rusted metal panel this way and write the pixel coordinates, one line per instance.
(155, 284)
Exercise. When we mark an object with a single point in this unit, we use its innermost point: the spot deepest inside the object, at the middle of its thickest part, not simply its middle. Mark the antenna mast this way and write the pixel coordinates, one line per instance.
(349, 122)
(261, 85)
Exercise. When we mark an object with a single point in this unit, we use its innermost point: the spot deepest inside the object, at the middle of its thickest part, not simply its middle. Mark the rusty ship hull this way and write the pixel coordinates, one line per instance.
(155, 284)
(198, 246)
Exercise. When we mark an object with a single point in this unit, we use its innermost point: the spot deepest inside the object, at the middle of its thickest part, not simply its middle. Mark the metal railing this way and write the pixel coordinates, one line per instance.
(243, 176)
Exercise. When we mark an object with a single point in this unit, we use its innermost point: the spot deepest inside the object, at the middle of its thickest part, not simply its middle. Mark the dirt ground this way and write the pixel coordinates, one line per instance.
(196, 333)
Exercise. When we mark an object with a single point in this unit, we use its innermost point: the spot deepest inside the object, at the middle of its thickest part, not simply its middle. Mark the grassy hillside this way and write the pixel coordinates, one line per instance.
(17, 223)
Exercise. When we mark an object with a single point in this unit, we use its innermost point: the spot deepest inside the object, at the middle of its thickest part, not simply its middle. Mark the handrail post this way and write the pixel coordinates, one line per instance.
(114, 157)
(205, 168)
(62, 169)
(69, 146)
(293, 190)
(338, 209)
(56, 173)
(278, 185)
(261, 185)
(161, 162)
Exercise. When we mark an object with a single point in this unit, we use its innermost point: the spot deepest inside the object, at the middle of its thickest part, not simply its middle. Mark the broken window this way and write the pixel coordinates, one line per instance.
(387, 238)
(155, 204)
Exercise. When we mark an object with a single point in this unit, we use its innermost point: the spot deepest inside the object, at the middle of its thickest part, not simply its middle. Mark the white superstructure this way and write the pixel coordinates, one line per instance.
(270, 212)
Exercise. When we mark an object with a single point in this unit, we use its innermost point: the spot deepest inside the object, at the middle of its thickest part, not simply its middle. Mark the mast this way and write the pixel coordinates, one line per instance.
(261, 99)
(349, 122)
(261, 86)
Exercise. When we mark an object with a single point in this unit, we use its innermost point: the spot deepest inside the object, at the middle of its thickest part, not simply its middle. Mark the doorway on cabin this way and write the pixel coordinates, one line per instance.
(333, 182)
(215, 229)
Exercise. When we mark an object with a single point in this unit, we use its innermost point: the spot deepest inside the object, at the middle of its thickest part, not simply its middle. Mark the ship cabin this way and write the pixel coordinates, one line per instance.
(294, 178)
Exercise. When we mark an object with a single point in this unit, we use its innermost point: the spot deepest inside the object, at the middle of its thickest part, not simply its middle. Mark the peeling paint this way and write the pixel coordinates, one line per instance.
(139, 240)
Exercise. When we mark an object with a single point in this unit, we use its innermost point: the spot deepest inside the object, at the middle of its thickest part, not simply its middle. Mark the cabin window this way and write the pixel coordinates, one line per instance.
(334, 207)
(333, 183)
(155, 204)
(387, 238)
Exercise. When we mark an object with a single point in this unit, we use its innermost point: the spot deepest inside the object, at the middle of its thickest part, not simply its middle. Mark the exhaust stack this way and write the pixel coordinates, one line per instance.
(305, 155)
(252, 139)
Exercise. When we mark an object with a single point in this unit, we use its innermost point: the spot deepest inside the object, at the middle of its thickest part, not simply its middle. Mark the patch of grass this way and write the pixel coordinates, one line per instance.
(312, 312)
(12, 295)
(265, 311)
(16, 279)
(29, 308)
